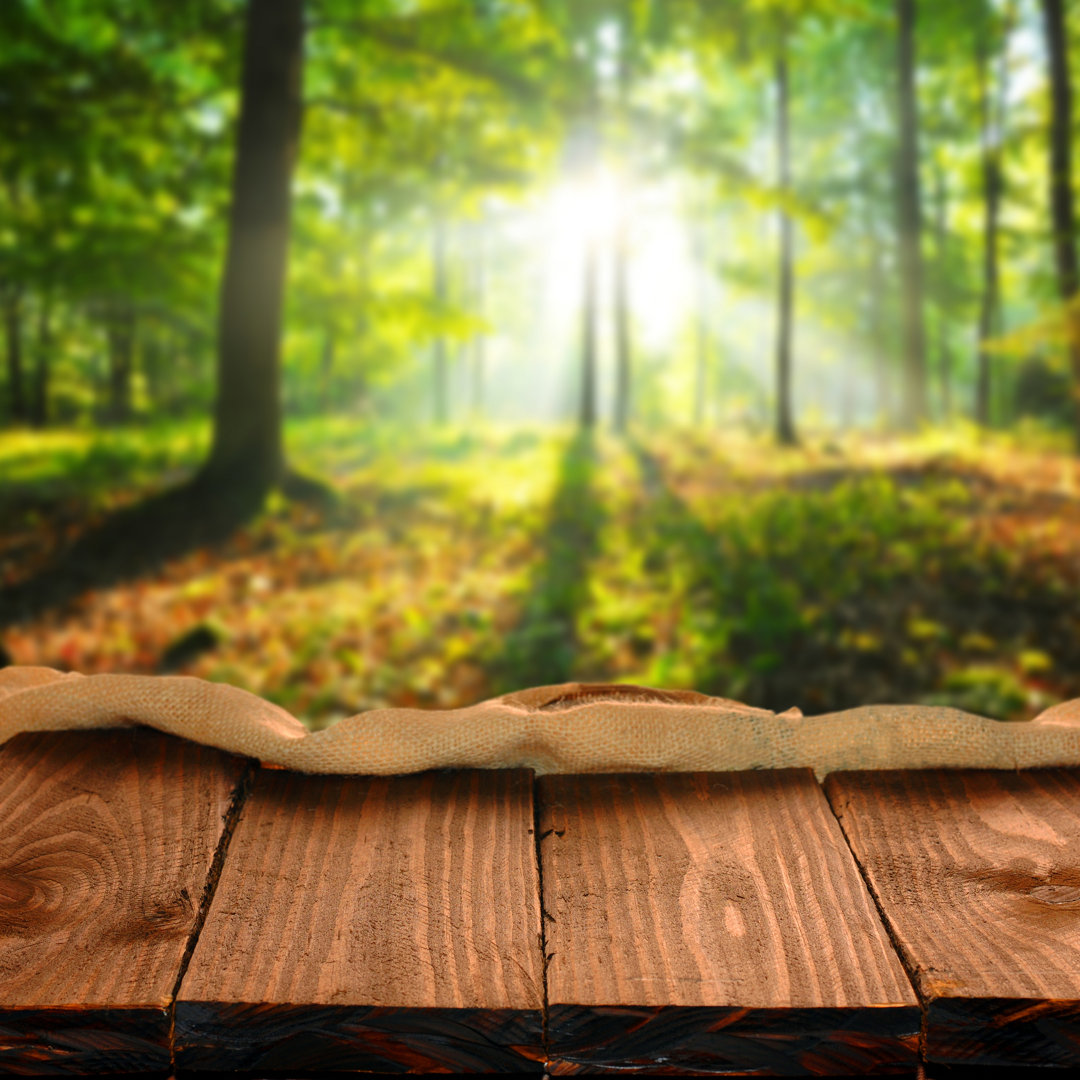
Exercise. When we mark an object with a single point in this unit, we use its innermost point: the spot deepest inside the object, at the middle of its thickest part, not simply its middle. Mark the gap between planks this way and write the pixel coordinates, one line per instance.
(232, 816)
(249, 773)
(539, 836)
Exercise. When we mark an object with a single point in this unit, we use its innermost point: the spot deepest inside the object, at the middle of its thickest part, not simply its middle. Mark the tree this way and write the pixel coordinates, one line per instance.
(992, 137)
(623, 365)
(909, 221)
(439, 350)
(247, 454)
(120, 324)
(479, 343)
(785, 425)
(1062, 211)
(39, 385)
(941, 255)
(587, 403)
(701, 319)
(13, 305)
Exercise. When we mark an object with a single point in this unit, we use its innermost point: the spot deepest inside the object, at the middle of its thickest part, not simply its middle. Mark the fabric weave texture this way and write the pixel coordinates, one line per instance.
(570, 728)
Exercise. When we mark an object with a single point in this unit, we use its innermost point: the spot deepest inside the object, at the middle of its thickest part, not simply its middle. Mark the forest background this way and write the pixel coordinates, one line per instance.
(392, 352)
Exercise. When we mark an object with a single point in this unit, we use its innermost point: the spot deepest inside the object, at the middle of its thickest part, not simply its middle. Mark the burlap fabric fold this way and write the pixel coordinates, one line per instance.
(553, 729)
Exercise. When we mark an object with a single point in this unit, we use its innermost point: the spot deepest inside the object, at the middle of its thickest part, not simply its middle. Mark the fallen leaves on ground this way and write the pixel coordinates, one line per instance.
(461, 564)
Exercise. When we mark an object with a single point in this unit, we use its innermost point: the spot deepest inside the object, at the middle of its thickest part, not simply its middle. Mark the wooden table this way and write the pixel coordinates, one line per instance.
(167, 908)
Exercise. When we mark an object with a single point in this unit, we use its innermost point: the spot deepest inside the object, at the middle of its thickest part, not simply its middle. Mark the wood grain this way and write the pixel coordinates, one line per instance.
(713, 923)
(378, 923)
(978, 875)
(106, 842)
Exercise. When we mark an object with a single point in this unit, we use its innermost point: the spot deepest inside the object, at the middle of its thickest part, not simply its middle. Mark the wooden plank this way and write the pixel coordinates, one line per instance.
(703, 922)
(376, 923)
(107, 840)
(978, 875)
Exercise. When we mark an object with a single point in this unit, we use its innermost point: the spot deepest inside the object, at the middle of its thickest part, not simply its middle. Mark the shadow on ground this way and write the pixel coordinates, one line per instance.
(541, 649)
(138, 539)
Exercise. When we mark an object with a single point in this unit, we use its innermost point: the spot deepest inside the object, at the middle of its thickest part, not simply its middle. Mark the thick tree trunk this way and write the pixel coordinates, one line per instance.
(623, 357)
(587, 415)
(13, 332)
(785, 426)
(1062, 212)
(941, 250)
(39, 387)
(909, 215)
(440, 400)
(247, 451)
(120, 334)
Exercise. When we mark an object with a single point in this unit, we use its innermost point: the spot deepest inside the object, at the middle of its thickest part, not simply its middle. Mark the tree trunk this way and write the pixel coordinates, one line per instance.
(909, 214)
(877, 335)
(785, 426)
(1062, 212)
(883, 375)
(479, 349)
(158, 360)
(39, 387)
(247, 448)
(120, 335)
(588, 338)
(440, 402)
(13, 330)
(623, 359)
(941, 230)
(326, 369)
(701, 325)
(718, 365)
(992, 135)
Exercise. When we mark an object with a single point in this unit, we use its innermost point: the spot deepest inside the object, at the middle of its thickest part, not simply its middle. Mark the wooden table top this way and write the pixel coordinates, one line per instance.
(167, 908)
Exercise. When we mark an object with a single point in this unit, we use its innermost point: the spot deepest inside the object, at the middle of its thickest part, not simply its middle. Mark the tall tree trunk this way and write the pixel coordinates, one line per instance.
(13, 332)
(155, 356)
(479, 350)
(587, 416)
(623, 358)
(785, 426)
(623, 336)
(992, 114)
(717, 388)
(247, 450)
(1061, 190)
(879, 338)
(440, 399)
(120, 335)
(941, 251)
(909, 215)
(326, 369)
(701, 324)
(39, 387)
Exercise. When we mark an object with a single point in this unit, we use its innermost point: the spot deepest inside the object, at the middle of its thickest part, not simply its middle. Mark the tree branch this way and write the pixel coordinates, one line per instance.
(465, 60)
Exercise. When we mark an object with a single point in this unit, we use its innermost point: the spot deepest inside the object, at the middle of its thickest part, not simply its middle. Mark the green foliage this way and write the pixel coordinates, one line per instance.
(429, 117)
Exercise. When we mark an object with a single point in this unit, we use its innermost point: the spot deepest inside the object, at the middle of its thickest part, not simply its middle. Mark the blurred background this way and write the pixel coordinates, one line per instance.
(406, 352)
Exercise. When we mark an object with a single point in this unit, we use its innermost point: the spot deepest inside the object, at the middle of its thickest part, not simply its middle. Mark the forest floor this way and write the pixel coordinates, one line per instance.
(458, 566)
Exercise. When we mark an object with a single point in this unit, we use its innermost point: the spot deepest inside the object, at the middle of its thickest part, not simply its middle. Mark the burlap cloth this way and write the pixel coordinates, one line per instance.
(553, 729)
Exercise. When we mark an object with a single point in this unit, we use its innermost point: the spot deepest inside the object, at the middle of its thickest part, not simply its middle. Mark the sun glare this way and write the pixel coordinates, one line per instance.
(589, 207)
